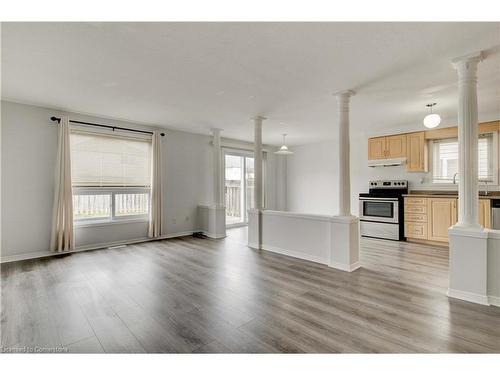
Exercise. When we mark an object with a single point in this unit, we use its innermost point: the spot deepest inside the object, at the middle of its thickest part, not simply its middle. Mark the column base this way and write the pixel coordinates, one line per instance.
(468, 264)
(216, 222)
(344, 245)
(212, 221)
(255, 229)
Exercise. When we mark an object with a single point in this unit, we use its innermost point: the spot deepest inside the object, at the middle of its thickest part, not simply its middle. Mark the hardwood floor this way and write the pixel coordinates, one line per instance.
(219, 296)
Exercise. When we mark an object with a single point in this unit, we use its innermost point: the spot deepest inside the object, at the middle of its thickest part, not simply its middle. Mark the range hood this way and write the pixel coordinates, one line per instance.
(386, 162)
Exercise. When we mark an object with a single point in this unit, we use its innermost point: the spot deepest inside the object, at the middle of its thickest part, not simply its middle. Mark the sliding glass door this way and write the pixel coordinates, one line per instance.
(233, 188)
(238, 186)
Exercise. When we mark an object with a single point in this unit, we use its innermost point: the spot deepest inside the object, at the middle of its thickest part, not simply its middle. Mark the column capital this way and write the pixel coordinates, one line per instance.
(467, 59)
(344, 94)
(216, 130)
(258, 118)
(466, 66)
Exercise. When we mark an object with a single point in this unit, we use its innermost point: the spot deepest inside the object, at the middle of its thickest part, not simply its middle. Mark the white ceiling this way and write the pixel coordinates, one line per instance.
(194, 76)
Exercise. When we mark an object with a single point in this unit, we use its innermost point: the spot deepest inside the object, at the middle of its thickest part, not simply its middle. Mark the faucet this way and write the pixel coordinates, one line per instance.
(455, 178)
(485, 187)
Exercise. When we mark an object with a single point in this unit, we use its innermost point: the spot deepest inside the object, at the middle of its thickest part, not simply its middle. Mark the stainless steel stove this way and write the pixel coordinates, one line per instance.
(381, 209)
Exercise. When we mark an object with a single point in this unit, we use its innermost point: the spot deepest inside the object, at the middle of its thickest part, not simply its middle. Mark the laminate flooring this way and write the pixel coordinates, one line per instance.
(188, 295)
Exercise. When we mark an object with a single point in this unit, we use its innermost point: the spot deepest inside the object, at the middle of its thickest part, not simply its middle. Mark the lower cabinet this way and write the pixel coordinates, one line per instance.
(416, 230)
(442, 215)
(430, 218)
(485, 213)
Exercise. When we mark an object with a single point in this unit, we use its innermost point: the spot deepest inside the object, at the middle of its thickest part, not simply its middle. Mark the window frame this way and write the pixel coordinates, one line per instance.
(112, 191)
(494, 161)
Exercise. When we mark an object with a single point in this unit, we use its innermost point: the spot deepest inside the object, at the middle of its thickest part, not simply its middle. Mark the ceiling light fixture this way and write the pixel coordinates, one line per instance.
(283, 149)
(432, 120)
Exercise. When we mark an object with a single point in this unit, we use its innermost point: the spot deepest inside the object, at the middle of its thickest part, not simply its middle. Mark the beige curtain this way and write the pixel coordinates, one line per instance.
(62, 236)
(155, 221)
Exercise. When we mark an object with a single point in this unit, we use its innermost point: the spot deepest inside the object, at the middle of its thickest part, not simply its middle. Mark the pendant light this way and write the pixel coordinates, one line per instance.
(432, 120)
(283, 149)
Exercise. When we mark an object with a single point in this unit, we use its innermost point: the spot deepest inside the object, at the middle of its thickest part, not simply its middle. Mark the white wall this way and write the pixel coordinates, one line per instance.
(28, 154)
(494, 268)
(311, 177)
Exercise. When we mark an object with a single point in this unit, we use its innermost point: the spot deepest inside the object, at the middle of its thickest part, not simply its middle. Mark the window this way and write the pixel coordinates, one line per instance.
(111, 177)
(445, 160)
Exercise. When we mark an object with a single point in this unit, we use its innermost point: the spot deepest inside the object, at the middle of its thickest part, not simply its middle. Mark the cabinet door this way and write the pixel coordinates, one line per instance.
(485, 213)
(416, 152)
(442, 214)
(376, 148)
(395, 146)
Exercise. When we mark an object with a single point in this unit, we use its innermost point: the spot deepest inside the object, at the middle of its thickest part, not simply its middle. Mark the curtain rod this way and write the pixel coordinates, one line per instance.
(58, 120)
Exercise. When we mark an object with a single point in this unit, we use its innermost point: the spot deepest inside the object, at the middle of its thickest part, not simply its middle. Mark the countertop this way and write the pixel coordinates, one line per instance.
(447, 194)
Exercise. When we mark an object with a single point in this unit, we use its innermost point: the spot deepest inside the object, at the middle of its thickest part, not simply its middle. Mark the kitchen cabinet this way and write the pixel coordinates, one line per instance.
(416, 230)
(429, 218)
(376, 148)
(485, 213)
(393, 146)
(415, 215)
(416, 152)
(442, 214)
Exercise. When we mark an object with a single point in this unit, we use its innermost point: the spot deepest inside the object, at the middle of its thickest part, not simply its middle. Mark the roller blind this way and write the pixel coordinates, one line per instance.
(102, 160)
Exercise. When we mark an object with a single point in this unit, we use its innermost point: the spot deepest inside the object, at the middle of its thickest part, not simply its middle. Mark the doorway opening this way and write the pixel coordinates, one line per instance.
(238, 187)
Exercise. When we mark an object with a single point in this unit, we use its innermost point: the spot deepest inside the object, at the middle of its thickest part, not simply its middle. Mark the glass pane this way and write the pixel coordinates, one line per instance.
(485, 172)
(131, 204)
(249, 175)
(91, 206)
(378, 209)
(233, 189)
(445, 164)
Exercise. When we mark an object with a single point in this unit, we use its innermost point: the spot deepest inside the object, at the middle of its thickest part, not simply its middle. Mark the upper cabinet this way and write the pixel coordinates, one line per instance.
(396, 146)
(376, 148)
(416, 152)
(387, 147)
(412, 146)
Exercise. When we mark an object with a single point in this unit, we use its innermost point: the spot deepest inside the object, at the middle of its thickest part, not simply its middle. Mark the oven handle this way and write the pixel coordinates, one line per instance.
(378, 199)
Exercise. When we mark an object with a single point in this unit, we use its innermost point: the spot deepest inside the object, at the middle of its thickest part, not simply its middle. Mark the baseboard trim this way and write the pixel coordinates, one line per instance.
(294, 254)
(254, 246)
(44, 254)
(214, 236)
(494, 301)
(345, 267)
(469, 297)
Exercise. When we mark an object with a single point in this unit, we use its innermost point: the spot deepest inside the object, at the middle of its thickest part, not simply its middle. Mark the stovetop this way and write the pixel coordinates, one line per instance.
(386, 189)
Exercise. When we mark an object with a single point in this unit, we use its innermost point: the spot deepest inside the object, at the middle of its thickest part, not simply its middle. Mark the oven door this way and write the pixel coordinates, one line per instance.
(384, 210)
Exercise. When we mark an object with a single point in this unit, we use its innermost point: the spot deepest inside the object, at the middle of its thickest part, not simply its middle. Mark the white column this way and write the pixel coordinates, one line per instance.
(255, 214)
(344, 153)
(258, 161)
(467, 141)
(218, 192)
(468, 265)
(212, 218)
(344, 230)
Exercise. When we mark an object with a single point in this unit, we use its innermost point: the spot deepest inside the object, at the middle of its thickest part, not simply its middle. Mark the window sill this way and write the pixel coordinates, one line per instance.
(104, 223)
